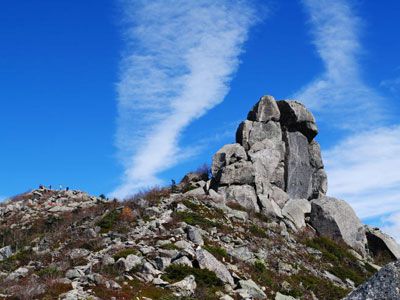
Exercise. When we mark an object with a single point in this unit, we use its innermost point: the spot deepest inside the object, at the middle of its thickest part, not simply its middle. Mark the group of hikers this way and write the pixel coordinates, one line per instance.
(42, 187)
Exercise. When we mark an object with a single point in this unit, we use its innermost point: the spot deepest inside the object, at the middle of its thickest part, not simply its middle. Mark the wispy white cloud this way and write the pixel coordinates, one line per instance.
(392, 225)
(392, 84)
(179, 60)
(364, 169)
(338, 95)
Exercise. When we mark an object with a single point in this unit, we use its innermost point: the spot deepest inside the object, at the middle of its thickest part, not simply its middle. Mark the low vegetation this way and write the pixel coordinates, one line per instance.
(257, 231)
(304, 281)
(343, 263)
(124, 253)
(217, 251)
(108, 221)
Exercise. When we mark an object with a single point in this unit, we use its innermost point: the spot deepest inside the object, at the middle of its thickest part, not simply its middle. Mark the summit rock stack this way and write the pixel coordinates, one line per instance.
(275, 158)
(275, 168)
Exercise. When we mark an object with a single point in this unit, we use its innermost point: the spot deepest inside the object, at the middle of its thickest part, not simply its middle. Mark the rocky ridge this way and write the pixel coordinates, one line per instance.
(260, 227)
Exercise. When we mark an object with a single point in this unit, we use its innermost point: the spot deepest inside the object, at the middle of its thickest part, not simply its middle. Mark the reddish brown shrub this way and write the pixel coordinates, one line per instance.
(126, 214)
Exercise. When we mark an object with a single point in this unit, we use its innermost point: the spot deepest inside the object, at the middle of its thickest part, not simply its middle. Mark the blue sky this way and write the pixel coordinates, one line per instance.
(112, 96)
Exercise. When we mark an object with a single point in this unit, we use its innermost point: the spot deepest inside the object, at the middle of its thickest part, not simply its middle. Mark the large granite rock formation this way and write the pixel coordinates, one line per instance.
(275, 168)
(275, 157)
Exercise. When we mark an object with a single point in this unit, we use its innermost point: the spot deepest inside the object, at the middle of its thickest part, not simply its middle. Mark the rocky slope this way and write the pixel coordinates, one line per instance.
(257, 226)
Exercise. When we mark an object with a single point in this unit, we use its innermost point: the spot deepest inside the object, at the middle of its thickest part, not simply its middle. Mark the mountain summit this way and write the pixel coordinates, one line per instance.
(257, 225)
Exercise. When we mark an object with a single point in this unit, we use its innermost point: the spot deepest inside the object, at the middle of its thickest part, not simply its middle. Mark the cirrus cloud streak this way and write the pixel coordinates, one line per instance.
(177, 65)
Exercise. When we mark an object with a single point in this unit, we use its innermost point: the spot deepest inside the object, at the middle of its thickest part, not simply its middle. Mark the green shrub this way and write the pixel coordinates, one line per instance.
(258, 231)
(188, 187)
(108, 221)
(193, 218)
(20, 258)
(344, 272)
(322, 288)
(124, 253)
(260, 266)
(49, 272)
(262, 275)
(216, 251)
(369, 268)
(345, 265)
(236, 206)
(191, 205)
(203, 277)
(331, 250)
(261, 217)
(169, 246)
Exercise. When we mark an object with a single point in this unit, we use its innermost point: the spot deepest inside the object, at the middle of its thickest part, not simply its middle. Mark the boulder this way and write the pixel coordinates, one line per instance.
(266, 109)
(241, 172)
(207, 261)
(128, 263)
(5, 252)
(295, 210)
(149, 269)
(162, 262)
(279, 196)
(252, 289)
(296, 117)
(336, 219)
(107, 260)
(74, 273)
(227, 155)
(379, 241)
(242, 253)
(249, 133)
(245, 195)
(184, 288)
(196, 192)
(184, 261)
(280, 296)
(78, 253)
(194, 177)
(269, 207)
(385, 284)
(18, 274)
(77, 294)
(194, 235)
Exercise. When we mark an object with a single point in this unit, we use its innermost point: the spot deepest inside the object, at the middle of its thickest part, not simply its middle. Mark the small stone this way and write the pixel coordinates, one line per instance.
(18, 273)
(5, 252)
(185, 287)
(74, 273)
(280, 296)
(184, 260)
(194, 235)
(252, 289)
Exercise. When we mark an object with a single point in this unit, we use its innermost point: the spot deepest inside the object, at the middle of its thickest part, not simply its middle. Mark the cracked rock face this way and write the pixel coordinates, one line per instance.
(275, 157)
